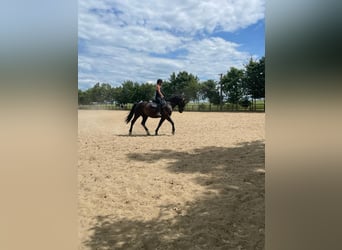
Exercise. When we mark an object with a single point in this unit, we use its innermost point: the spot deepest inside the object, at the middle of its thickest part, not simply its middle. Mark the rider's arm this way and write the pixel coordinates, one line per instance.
(160, 93)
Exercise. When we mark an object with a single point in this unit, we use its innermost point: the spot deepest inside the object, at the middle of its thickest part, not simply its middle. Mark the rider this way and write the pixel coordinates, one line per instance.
(159, 96)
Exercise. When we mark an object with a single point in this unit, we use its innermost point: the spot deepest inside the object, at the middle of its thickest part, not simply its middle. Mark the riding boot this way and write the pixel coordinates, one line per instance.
(158, 111)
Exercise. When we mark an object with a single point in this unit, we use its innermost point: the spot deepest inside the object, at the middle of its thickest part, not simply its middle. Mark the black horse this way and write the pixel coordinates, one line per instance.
(149, 109)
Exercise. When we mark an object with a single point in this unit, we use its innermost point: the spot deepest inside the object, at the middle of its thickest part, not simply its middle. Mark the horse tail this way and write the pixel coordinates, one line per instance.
(130, 115)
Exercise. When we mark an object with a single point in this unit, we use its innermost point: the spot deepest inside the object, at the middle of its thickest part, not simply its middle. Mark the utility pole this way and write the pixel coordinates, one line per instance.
(220, 91)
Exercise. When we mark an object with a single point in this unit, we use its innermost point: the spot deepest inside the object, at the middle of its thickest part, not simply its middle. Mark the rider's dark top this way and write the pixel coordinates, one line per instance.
(158, 97)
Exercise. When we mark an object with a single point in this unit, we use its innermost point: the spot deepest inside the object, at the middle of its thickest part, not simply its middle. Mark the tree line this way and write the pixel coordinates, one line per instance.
(237, 86)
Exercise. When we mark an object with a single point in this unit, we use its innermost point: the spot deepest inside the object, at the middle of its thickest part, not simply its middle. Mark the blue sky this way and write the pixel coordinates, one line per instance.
(142, 40)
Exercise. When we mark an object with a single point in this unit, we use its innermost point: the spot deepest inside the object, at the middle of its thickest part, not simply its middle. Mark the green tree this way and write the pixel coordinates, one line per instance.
(83, 97)
(118, 96)
(95, 93)
(106, 92)
(232, 85)
(131, 92)
(208, 90)
(254, 79)
(168, 89)
(146, 91)
(184, 84)
(128, 92)
(100, 93)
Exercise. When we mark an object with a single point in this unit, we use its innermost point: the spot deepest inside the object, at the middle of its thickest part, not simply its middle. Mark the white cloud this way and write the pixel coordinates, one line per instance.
(209, 57)
(135, 40)
(182, 15)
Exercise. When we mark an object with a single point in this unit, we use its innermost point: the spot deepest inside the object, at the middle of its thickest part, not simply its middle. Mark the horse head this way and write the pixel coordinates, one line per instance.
(181, 104)
(179, 101)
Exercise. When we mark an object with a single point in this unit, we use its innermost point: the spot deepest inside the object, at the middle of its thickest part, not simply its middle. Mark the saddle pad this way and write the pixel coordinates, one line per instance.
(153, 104)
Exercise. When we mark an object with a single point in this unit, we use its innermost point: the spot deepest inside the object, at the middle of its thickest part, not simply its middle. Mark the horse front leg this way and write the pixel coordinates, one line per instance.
(160, 123)
(143, 124)
(173, 125)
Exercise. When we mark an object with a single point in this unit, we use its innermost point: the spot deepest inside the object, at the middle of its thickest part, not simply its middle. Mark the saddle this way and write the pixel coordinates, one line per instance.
(154, 104)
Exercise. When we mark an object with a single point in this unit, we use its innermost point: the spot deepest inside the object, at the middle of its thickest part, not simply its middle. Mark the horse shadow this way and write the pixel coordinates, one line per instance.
(144, 135)
(229, 216)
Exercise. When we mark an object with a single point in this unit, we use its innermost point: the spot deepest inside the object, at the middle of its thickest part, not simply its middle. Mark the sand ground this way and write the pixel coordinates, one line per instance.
(202, 188)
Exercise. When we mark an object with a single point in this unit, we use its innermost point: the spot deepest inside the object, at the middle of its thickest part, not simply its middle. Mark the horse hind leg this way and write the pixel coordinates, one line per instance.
(132, 123)
(143, 124)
